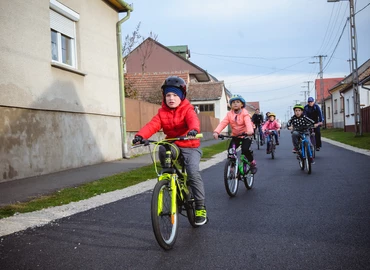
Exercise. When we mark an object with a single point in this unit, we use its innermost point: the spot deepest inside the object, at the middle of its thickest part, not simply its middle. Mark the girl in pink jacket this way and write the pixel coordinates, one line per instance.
(273, 126)
(241, 123)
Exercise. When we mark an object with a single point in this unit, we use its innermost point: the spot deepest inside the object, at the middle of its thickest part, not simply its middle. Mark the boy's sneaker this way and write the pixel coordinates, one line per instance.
(277, 143)
(253, 167)
(200, 215)
(317, 148)
(295, 151)
(312, 160)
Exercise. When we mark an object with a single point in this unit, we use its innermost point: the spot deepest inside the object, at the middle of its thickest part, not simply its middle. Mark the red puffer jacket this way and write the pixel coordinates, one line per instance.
(174, 122)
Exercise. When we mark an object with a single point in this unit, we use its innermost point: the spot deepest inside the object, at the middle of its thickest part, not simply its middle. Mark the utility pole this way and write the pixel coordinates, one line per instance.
(356, 92)
(304, 93)
(308, 87)
(321, 86)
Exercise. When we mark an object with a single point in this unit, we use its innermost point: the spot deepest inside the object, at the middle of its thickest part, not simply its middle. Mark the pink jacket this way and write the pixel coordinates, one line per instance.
(240, 123)
(274, 125)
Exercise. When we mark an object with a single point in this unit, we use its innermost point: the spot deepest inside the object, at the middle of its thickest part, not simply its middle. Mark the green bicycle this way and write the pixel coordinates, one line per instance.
(171, 194)
(236, 169)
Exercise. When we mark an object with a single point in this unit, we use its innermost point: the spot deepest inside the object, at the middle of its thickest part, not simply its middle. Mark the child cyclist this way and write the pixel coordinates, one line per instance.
(240, 122)
(273, 126)
(177, 118)
(299, 123)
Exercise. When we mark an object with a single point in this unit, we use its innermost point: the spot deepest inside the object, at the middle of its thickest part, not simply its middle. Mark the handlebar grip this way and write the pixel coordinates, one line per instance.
(199, 135)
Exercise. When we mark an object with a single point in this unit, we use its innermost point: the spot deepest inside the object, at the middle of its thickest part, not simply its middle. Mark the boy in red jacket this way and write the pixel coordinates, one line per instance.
(177, 118)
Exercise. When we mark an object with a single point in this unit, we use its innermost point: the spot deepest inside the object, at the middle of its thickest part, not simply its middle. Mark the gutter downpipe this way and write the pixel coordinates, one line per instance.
(125, 153)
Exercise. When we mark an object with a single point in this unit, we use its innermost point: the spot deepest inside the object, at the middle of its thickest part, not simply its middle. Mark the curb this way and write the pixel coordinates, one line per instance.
(42, 217)
(346, 146)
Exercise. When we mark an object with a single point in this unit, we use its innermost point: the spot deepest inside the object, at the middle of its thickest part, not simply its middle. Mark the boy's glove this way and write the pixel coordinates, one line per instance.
(192, 133)
(137, 139)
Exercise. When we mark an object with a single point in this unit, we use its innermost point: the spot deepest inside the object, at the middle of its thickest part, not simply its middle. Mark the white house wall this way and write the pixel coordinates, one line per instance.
(52, 119)
(349, 108)
(337, 114)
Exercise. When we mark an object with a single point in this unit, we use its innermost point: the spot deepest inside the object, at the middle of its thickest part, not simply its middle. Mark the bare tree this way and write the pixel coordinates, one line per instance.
(145, 51)
(154, 95)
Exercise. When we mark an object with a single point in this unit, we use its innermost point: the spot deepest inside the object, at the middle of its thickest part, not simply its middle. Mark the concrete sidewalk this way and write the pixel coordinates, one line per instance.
(27, 188)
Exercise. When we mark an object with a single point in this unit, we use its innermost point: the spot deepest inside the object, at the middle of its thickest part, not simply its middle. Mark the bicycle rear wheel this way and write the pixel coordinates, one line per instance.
(313, 143)
(308, 159)
(165, 225)
(272, 147)
(230, 178)
(258, 139)
(190, 209)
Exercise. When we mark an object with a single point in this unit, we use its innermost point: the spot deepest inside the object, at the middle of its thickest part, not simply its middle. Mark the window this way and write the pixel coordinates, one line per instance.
(63, 34)
(329, 113)
(206, 107)
(348, 109)
(335, 106)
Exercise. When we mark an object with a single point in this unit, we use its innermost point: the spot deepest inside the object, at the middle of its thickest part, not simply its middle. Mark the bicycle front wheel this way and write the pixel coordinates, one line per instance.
(165, 224)
(308, 159)
(248, 179)
(230, 178)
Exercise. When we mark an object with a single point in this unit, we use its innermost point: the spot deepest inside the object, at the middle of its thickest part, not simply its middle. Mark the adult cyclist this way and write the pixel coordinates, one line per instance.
(257, 120)
(313, 111)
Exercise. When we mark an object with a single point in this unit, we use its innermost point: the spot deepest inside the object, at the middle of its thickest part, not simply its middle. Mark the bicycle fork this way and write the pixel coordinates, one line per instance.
(173, 191)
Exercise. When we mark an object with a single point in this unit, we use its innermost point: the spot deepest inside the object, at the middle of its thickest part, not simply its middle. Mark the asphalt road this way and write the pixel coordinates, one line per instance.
(289, 220)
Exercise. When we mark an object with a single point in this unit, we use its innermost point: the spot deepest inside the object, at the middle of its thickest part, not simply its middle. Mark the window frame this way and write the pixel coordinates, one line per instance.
(63, 14)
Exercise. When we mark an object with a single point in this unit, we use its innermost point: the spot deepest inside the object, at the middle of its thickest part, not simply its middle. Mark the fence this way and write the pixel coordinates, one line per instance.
(138, 113)
(365, 117)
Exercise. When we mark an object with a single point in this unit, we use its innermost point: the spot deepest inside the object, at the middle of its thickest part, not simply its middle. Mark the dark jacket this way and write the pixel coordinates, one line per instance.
(302, 123)
(313, 112)
(257, 119)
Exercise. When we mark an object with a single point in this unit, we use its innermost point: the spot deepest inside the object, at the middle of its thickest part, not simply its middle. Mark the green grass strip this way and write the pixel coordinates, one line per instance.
(88, 190)
(349, 138)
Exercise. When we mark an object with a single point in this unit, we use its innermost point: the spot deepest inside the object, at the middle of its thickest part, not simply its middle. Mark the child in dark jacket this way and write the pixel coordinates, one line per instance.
(177, 118)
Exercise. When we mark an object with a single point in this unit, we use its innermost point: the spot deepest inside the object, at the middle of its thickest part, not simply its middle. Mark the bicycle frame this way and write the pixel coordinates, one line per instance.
(171, 194)
(303, 142)
(242, 160)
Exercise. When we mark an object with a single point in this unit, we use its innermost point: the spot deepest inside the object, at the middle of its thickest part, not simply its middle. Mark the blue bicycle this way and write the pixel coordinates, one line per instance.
(305, 154)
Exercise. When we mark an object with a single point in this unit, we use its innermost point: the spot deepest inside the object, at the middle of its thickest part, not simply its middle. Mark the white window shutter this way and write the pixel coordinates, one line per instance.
(62, 24)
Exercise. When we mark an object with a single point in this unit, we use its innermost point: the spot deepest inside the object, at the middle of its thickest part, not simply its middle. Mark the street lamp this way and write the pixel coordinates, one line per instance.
(356, 92)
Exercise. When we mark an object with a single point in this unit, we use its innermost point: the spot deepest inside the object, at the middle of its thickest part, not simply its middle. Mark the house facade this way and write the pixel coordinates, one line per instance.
(59, 90)
(324, 98)
(150, 63)
(343, 98)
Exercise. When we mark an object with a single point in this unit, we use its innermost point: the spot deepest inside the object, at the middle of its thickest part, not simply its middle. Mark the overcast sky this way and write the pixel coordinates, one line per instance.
(260, 49)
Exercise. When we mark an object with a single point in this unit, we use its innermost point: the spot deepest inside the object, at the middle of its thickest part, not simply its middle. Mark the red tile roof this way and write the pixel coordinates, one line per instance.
(328, 83)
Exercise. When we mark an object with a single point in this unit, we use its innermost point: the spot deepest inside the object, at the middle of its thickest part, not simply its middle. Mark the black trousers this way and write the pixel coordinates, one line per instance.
(318, 137)
(246, 144)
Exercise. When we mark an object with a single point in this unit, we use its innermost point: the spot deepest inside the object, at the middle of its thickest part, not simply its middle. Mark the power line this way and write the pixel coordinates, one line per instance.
(362, 8)
(251, 57)
(336, 46)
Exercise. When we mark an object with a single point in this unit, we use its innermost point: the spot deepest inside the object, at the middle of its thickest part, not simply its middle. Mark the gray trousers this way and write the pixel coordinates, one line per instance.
(191, 157)
(296, 135)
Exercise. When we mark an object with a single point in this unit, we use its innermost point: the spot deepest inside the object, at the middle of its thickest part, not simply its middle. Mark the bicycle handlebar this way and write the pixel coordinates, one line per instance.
(181, 138)
(233, 137)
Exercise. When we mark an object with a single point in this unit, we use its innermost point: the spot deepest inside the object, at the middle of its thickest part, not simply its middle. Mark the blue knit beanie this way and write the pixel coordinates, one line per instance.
(175, 90)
